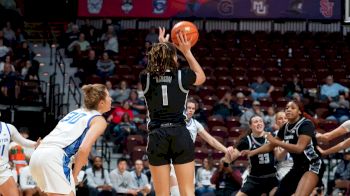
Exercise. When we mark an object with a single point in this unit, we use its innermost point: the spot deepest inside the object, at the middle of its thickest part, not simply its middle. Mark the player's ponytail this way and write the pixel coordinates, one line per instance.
(93, 94)
(161, 58)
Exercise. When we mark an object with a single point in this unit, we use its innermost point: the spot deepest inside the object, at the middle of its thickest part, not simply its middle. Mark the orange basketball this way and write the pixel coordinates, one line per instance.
(188, 28)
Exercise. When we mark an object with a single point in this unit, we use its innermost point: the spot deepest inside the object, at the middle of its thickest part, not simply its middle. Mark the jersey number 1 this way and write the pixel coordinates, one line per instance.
(165, 95)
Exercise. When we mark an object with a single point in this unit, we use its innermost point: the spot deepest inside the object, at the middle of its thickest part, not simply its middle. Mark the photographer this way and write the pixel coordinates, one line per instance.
(227, 181)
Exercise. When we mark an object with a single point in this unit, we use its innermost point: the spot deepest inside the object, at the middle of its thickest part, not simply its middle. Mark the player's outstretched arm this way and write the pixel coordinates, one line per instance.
(212, 141)
(97, 127)
(340, 146)
(17, 137)
(326, 137)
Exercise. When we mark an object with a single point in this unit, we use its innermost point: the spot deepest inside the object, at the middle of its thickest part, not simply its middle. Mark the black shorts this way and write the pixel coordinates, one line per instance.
(289, 183)
(257, 186)
(170, 144)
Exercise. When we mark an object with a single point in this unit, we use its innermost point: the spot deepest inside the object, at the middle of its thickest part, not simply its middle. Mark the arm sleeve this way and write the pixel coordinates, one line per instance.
(15, 136)
(280, 133)
(90, 178)
(346, 125)
(188, 77)
(307, 128)
(243, 144)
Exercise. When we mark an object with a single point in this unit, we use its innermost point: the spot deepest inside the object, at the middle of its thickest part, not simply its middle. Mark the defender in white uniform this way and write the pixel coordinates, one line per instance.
(8, 132)
(339, 131)
(75, 134)
(194, 127)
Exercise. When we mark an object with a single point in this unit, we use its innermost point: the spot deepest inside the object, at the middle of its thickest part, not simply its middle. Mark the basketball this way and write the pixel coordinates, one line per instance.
(188, 28)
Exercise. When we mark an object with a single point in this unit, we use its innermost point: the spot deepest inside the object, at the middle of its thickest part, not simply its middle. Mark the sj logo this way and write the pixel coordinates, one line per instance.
(326, 8)
(259, 7)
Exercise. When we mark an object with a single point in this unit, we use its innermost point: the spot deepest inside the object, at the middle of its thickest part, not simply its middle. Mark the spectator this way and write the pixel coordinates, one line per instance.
(224, 106)
(227, 181)
(72, 34)
(116, 115)
(139, 90)
(123, 92)
(125, 128)
(143, 59)
(87, 67)
(330, 91)
(139, 180)
(293, 87)
(340, 110)
(9, 34)
(269, 119)
(239, 106)
(24, 53)
(342, 176)
(86, 27)
(105, 66)
(137, 105)
(21, 36)
(111, 44)
(152, 36)
(255, 110)
(27, 183)
(98, 179)
(4, 50)
(261, 88)
(203, 177)
(80, 45)
(9, 61)
(29, 72)
(8, 82)
(146, 169)
(121, 179)
(110, 89)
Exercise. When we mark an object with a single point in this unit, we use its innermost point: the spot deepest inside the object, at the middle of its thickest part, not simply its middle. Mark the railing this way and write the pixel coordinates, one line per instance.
(73, 90)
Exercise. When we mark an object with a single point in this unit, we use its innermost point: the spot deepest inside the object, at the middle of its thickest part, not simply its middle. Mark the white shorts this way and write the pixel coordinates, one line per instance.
(5, 174)
(49, 167)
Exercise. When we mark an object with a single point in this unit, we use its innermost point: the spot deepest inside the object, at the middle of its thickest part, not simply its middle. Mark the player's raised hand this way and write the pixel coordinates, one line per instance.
(162, 37)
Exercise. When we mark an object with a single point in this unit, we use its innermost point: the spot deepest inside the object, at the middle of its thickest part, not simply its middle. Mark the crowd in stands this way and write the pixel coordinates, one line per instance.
(19, 79)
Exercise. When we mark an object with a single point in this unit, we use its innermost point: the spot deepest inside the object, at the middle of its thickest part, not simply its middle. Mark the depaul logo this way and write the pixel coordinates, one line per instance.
(159, 6)
(326, 8)
(94, 6)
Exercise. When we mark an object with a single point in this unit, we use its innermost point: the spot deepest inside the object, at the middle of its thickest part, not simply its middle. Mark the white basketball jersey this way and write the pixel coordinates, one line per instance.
(5, 137)
(194, 127)
(70, 131)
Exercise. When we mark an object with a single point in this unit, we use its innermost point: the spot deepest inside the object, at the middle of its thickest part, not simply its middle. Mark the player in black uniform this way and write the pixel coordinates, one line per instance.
(262, 172)
(297, 136)
(166, 88)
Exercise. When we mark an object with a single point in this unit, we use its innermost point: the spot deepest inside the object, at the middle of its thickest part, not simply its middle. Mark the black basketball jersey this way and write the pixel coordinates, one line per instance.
(260, 164)
(290, 134)
(166, 96)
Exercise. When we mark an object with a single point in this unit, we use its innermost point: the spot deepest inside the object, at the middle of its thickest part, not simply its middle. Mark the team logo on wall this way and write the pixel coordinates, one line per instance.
(326, 8)
(259, 7)
(159, 6)
(225, 7)
(94, 6)
(127, 6)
